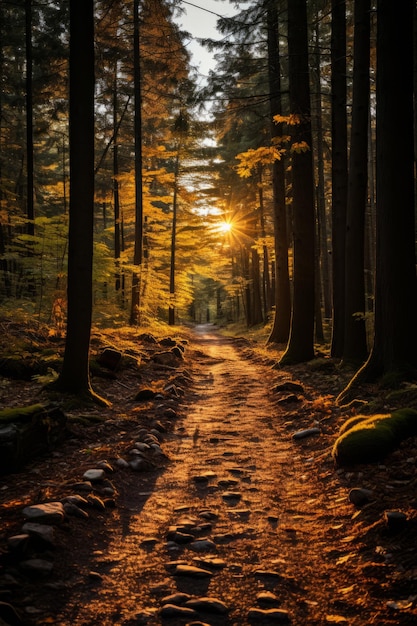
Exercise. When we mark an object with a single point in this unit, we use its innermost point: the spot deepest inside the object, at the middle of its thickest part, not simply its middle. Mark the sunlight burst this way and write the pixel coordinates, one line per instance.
(225, 227)
(235, 228)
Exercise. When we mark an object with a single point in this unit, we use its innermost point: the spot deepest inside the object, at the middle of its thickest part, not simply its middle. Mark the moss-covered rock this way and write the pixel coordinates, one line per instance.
(357, 419)
(20, 413)
(404, 422)
(368, 439)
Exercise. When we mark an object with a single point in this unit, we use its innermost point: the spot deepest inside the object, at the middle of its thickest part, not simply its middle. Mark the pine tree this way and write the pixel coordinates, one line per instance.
(301, 341)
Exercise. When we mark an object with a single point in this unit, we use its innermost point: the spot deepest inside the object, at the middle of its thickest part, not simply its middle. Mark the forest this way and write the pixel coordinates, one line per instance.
(234, 250)
(276, 192)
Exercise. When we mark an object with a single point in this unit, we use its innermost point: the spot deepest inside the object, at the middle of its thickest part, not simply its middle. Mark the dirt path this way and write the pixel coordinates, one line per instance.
(266, 526)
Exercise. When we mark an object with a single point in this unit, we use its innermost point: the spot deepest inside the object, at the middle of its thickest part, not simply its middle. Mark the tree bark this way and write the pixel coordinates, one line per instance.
(137, 257)
(282, 294)
(171, 307)
(339, 172)
(30, 209)
(116, 196)
(75, 377)
(355, 347)
(300, 346)
(323, 278)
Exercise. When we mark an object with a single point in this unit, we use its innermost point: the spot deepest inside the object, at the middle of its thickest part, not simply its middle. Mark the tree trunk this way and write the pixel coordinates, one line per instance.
(266, 281)
(339, 172)
(300, 346)
(74, 377)
(256, 316)
(355, 347)
(171, 308)
(29, 287)
(246, 295)
(323, 268)
(137, 257)
(282, 295)
(30, 210)
(116, 197)
(319, 331)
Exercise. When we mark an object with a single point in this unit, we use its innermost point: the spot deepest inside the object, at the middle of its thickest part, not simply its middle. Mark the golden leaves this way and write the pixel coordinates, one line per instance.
(253, 159)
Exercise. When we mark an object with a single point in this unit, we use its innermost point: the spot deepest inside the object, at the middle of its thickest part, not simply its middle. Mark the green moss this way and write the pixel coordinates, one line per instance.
(405, 422)
(20, 413)
(352, 422)
(364, 443)
(368, 439)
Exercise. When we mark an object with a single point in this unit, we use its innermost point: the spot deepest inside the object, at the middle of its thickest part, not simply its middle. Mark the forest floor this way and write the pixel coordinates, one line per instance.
(265, 518)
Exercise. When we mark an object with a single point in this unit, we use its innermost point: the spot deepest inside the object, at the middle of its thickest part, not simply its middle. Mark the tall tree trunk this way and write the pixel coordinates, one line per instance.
(282, 294)
(355, 347)
(318, 285)
(246, 294)
(395, 342)
(29, 286)
(30, 209)
(116, 197)
(300, 346)
(266, 281)
(256, 315)
(171, 308)
(415, 97)
(137, 257)
(74, 377)
(323, 279)
(339, 172)
(370, 224)
(3, 262)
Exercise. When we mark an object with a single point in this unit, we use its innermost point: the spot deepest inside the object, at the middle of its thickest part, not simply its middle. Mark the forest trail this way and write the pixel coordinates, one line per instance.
(263, 517)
